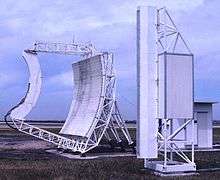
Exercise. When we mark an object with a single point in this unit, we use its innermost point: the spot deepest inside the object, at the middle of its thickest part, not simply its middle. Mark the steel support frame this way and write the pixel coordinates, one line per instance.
(109, 115)
(166, 28)
(167, 144)
(169, 30)
(85, 50)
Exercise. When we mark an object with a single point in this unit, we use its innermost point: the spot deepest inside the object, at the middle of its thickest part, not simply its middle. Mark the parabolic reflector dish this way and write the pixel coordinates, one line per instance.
(93, 112)
(88, 81)
(34, 87)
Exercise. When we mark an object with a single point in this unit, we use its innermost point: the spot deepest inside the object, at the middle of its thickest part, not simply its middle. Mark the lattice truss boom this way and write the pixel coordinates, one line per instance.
(105, 118)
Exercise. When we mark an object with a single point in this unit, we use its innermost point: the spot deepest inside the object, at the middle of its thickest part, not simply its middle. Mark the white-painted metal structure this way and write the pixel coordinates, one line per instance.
(203, 132)
(203, 129)
(175, 75)
(87, 50)
(146, 83)
(93, 112)
(34, 87)
(89, 85)
(165, 83)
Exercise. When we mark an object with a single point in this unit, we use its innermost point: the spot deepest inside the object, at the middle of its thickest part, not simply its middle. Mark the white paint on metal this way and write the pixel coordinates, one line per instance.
(34, 87)
(171, 75)
(190, 135)
(64, 48)
(146, 83)
(181, 136)
(204, 124)
(95, 80)
(169, 38)
(88, 81)
(204, 130)
(175, 86)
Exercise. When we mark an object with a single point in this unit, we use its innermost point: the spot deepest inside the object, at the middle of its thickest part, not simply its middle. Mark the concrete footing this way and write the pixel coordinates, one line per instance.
(173, 168)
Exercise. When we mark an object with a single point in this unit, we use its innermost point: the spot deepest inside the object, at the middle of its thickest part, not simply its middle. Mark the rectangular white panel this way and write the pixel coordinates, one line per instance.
(175, 86)
(147, 125)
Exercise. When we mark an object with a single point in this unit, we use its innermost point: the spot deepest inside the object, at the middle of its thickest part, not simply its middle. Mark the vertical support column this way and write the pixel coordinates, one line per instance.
(193, 131)
(173, 88)
(147, 125)
(165, 143)
(171, 143)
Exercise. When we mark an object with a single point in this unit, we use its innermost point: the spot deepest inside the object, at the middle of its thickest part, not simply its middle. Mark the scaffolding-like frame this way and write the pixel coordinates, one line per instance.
(168, 38)
(109, 119)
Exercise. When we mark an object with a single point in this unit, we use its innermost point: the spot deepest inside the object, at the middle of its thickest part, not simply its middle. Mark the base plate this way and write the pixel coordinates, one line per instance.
(172, 168)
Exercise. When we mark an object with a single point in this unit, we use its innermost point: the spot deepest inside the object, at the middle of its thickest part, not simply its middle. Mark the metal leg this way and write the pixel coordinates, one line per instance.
(171, 144)
(165, 142)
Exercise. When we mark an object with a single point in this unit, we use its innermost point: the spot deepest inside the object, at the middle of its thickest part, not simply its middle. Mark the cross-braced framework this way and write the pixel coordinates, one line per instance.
(170, 40)
(86, 50)
(169, 37)
(108, 117)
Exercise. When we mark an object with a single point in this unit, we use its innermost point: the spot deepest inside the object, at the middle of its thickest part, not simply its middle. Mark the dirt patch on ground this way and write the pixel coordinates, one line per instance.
(23, 157)
(24, 145)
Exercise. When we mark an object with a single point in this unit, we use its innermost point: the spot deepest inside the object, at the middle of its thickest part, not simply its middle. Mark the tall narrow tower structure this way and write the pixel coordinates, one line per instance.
(147, 85)
(165, 91)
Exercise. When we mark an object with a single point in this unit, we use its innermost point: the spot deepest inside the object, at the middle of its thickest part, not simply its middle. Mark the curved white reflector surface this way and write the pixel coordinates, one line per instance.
(88, 81)
(34, 87)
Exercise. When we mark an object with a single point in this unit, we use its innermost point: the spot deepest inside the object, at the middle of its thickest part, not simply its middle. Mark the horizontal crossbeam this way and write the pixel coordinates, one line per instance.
(63, 48)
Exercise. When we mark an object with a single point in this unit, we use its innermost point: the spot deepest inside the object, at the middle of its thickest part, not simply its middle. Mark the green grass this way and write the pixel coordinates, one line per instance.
(38, 164)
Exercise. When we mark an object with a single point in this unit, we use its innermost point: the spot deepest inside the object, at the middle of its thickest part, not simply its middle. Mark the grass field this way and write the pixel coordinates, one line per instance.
(22, 157)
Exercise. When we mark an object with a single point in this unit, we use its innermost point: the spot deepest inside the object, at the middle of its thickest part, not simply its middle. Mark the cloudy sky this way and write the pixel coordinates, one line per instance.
(110, 26)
